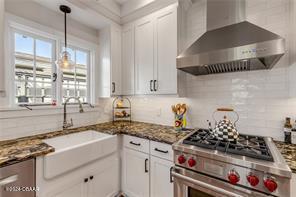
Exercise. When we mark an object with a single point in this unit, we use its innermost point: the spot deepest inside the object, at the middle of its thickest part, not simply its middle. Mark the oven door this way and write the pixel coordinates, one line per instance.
(191, 184)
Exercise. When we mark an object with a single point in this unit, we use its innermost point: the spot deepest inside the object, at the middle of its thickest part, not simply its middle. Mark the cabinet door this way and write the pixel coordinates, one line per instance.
(115, 61)
(165, 71)
(293, 183)
(1, 46)
(105, 182)
(144, 58)
(128, 60)
(160, 177)
(75, 188)
(135, 169)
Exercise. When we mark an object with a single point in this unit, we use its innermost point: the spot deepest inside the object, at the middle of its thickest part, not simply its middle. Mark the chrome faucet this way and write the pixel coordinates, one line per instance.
(65, 123)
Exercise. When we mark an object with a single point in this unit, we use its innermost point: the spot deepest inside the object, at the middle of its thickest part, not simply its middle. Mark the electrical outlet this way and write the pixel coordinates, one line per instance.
(158, 112)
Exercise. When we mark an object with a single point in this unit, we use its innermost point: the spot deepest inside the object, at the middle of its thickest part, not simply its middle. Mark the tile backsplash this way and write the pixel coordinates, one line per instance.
(262, 98)
(14, 124)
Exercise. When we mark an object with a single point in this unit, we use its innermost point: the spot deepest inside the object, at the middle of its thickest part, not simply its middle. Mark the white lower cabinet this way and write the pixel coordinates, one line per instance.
(75, 188)
(292, 186)
(146, 168)
(135, 173)
(104, 183)
(98, 179)
(160, 183)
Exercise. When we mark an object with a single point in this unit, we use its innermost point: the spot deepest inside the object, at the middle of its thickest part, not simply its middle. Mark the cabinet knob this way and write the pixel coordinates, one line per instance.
(86, 180)
(91, 177)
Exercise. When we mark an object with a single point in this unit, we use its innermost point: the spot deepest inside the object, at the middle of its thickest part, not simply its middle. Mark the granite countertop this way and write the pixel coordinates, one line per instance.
(289, 153)
(16, 150)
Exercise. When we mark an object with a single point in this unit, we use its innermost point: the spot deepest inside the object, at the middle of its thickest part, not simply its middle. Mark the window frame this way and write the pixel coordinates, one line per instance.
(14, 23)
(88, 73)
(53, 67)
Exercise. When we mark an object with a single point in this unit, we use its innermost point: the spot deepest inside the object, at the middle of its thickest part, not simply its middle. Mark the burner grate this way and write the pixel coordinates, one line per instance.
(246, 145)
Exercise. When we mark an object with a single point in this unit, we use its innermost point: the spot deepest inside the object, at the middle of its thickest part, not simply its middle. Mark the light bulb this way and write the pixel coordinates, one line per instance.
(65, 61)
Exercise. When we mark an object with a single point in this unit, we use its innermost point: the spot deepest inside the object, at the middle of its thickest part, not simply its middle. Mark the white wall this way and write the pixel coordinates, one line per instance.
(262, 98)
(35, 12)
(17, 123)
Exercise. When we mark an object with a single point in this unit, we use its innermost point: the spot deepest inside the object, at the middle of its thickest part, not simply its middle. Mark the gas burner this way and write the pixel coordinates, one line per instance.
(246, 145)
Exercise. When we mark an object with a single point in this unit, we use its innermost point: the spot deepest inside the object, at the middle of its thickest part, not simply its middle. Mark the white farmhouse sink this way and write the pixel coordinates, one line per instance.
(75, 150)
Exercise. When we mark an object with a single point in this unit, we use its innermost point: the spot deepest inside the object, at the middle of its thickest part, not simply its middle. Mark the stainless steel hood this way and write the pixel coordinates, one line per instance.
(231, 43)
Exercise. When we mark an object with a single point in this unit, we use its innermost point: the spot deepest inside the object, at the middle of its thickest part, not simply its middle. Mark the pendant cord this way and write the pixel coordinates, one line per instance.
(65, 31)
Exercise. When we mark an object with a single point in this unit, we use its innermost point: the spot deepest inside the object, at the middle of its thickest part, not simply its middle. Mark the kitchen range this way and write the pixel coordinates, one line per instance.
(205, 166)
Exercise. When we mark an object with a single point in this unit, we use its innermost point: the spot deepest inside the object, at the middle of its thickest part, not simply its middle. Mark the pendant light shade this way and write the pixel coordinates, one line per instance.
(64, 61)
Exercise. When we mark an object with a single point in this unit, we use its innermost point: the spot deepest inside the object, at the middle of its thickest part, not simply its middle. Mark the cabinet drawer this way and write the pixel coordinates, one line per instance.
(136, 143)
(161, 150)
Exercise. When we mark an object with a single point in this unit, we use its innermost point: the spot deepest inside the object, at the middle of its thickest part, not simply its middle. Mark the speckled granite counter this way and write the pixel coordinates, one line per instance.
(289, 153)
(12, 151)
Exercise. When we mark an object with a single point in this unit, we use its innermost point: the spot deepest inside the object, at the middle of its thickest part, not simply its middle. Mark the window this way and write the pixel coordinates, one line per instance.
(37, 80)
(75, 82)
(34, 58)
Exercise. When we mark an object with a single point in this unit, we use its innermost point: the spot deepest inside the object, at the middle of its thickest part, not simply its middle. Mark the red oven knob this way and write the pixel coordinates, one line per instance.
(233, 177)
(181, 159)
(270, 184)
(191, 162)
(253, 180)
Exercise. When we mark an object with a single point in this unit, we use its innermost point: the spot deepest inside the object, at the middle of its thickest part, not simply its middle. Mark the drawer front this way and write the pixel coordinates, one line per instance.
(161, 150)
(136, 143)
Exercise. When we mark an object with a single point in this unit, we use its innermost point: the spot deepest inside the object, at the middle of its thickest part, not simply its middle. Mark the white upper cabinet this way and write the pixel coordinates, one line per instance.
(128, 60)
(165, 72)
(109, 75)
(156, 52)
(2, 46)
(115, 61)
(144, 55)
(140, 57)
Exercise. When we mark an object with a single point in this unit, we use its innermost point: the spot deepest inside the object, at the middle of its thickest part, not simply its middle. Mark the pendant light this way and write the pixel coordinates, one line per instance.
(64, 61)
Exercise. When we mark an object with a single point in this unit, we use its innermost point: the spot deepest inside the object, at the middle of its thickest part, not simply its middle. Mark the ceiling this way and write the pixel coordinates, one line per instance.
(99, 13)
(121, 2)
(83, 11)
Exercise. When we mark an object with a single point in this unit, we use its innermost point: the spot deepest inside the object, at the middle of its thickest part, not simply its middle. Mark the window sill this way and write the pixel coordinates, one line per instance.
(45, 107)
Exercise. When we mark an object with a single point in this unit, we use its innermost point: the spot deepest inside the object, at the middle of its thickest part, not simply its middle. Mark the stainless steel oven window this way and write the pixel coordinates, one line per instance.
(197, 193)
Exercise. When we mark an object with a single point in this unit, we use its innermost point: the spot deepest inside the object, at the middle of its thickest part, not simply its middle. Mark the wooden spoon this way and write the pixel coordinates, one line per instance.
(183, 109)
(178, 106)
(174, 108)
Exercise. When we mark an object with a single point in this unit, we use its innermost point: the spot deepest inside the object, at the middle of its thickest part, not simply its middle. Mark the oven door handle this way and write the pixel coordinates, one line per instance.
(8, 180)
(203, 184)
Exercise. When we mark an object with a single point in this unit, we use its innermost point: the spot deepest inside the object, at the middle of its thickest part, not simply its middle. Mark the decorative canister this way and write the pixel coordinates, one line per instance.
(225, 130)
(180, 118)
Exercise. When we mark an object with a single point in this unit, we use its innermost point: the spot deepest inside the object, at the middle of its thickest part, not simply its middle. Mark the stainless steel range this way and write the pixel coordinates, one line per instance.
(251, 166)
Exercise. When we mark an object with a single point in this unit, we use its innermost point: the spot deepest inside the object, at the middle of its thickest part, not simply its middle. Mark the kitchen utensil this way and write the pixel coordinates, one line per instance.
(178, 107)
(180, 119)
(224, 129)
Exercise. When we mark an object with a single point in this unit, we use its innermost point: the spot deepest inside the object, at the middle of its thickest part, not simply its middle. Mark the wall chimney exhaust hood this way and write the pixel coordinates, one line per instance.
(231, 43)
